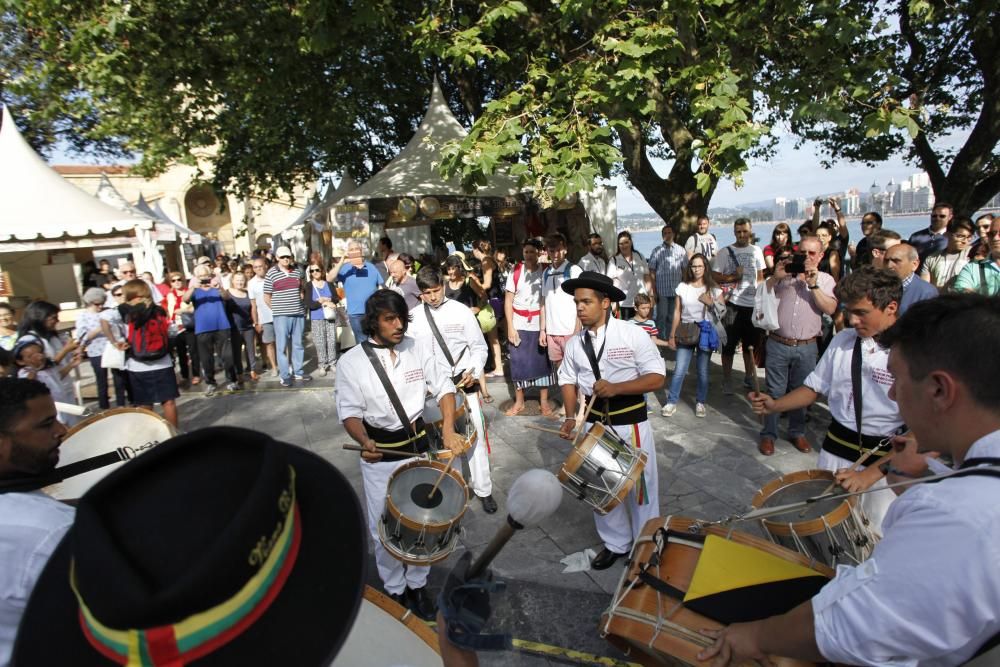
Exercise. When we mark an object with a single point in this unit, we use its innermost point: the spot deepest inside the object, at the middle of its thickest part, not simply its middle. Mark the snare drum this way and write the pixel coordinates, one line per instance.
(602, 469)
(663, 603)
(463, 425)
(135, 429)
(385, 634)
(831, 531)
(418, 529)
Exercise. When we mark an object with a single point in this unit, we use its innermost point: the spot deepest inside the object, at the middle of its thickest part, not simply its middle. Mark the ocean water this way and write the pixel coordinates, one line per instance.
(905, 225)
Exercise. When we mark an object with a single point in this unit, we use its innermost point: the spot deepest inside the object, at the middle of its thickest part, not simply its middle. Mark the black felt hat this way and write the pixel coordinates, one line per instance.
(219, 547)
(595, 281)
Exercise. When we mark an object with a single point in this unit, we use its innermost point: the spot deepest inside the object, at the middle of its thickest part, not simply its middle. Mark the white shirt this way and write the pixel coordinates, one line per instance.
(460, 330)
(416, 371)
(693, 310)
(832, 378)
(31, 526)
(706, 244)
(590, 262)
(929, 594)
(255, 290)
(527, 296)
(628, 276)
(751, 258)
(560, 308)
(629, 353)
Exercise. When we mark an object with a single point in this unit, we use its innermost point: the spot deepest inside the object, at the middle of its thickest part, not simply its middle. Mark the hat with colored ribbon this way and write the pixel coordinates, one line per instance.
(595, 281)
(221, 546)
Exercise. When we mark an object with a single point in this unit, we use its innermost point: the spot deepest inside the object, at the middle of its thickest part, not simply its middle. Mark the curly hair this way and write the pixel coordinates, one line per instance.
(879, 286)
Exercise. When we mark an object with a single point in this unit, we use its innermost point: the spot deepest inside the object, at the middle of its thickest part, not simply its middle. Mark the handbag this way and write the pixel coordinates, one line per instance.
(765, 308)
(329, 312)
(112, 357)
(689, 333)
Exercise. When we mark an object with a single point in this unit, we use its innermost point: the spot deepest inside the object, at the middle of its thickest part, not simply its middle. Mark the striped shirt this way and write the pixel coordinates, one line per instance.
(285, 290)
(667, 264)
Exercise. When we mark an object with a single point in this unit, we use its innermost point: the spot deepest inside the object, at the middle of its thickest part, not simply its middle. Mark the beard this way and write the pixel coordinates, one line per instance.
(31, 460)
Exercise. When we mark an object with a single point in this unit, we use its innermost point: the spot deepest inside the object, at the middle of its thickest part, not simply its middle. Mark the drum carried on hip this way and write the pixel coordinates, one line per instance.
(683, 577)
(602, 469)
(418, 528)
(134, 430)
(385, 634)
(833, 532)
(463, 425)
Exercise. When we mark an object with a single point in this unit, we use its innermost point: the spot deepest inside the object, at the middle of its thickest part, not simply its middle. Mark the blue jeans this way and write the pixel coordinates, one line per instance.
(681, 363)
(787, 368)
(665, 315)
(359, 335)
(289, 328)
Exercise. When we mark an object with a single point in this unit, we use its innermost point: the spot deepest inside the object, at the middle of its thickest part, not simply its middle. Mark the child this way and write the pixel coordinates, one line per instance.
(30, 357)
(643, 318)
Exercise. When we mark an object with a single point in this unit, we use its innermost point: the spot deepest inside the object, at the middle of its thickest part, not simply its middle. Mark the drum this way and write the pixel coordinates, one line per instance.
(386, 634)
(683, 578)
(418, 529)
(135, 429)
(463, 425)
(833, 532)
(602, 469)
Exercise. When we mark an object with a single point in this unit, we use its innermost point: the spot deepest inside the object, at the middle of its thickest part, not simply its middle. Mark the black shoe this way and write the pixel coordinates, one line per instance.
(605, 559)
(420, 603)
(489, 505)
(398, 598)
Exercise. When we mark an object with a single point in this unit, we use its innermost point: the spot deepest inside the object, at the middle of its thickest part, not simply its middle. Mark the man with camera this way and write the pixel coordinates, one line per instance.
(804, 294)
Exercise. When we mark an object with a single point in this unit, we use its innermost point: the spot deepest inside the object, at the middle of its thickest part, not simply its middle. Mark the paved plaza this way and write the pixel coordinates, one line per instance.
(708, 468)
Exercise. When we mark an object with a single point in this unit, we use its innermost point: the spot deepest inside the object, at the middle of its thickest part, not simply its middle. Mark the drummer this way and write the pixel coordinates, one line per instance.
(629, 366)
(31, 523)
(459, 330)
(366, 409)
(872, 299)
(929, 594)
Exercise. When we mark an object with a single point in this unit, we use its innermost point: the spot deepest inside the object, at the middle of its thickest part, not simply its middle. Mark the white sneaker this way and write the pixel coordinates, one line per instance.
(699, 410)
(323, 371)
(668, 410)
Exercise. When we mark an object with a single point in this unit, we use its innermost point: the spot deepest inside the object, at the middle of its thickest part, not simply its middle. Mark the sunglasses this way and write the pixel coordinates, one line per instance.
(176, 280)
(939, 216)
(315, 270)
(285, 257)
(116, 294)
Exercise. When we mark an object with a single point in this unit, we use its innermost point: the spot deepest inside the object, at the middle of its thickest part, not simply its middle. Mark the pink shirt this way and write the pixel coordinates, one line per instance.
(798, 315)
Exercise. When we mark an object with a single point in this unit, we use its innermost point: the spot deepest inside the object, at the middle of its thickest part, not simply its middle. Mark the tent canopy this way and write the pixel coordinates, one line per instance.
(322, 206)
(414, 172)
(36, 202)
(156, 212)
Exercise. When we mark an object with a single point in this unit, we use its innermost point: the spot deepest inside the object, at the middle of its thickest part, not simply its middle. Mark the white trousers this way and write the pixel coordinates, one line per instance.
(622, 525)
(874, 503)
(478, 457)
(396, 576)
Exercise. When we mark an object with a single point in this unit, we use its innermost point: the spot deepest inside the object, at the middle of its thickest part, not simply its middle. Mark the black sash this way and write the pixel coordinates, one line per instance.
(452, 362)
(400, 440)
(856, 386)
(620, 410)
(595, 359)
(390, 392)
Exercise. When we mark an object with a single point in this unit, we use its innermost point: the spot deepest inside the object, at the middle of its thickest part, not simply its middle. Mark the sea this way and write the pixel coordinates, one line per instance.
(646, 241)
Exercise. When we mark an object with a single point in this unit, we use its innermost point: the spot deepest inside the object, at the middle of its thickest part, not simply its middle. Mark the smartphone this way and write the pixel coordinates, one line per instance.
(797, 265)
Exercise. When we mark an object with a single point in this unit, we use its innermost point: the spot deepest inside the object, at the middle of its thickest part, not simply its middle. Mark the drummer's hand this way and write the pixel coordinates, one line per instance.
(605, 389)
(453, 441)
(908, 458)
(853, 481)
(467, 380)
(370, 454)
(761, 403)
(567, 428)
(734, 645)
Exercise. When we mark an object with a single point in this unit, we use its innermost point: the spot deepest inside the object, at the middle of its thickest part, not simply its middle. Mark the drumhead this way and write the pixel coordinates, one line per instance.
(381, 638)
(432, 412)
(122, 427)
(408, 493)
(798, 491)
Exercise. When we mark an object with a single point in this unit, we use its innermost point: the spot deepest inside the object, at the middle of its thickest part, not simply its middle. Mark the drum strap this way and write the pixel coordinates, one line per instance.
(35, 482)
(389, 391)
(856, 387)
(440, 340)
(595, 360)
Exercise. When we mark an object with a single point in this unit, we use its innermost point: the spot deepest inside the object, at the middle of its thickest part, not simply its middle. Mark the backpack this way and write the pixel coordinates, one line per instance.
(151, 340)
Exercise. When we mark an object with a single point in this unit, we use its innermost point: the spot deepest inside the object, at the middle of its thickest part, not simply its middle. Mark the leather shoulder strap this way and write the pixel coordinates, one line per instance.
(390, 392)
(438, 337)
(856, 385)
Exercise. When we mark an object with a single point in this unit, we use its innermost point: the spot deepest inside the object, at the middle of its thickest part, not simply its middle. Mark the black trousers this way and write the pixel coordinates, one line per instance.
(211, 343)
(185, 349)
(242, 343)
(101, 375)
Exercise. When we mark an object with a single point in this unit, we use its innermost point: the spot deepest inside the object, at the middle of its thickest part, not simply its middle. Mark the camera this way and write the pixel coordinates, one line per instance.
(797, 264)
(205, 281)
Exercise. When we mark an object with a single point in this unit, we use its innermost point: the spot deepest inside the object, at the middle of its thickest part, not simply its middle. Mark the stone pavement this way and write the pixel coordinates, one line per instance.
(708, 468)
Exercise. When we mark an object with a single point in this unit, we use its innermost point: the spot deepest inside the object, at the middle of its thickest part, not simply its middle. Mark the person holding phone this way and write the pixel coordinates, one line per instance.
(804, 294)
(211, 326)
(361, 279)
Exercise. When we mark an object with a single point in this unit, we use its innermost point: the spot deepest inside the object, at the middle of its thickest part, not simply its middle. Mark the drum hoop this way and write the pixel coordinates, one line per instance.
(400, 555)
(404, 616)
(459, 411)
(808, 527)
(435, 528)
(79, 426)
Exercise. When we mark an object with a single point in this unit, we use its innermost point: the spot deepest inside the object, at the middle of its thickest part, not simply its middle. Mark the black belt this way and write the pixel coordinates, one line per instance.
(622, 410)
(400, 440)
(842, 441)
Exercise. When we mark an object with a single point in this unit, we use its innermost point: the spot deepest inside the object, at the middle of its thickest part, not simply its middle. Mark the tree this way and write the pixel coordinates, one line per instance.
(929, 75)
(586, 87)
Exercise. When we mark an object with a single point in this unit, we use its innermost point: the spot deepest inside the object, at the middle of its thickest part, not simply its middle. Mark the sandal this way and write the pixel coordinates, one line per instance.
(511, 412)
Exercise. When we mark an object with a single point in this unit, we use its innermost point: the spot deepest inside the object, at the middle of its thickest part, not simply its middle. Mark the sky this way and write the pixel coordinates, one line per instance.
(791, 172)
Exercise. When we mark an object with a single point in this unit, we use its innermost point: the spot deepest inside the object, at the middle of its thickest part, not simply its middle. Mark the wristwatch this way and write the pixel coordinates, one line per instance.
(814, 287)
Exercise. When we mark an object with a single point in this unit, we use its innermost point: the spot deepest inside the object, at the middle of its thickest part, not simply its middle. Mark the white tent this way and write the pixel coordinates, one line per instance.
(414, 172)
(36, 203)
(320, 208)
(164, 221)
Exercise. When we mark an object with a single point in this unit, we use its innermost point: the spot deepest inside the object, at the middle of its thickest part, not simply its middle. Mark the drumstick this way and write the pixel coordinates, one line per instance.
(434, 489)
(380, 450)
(861, 460)
(533, 497)
(579, 429)
(554, 431)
